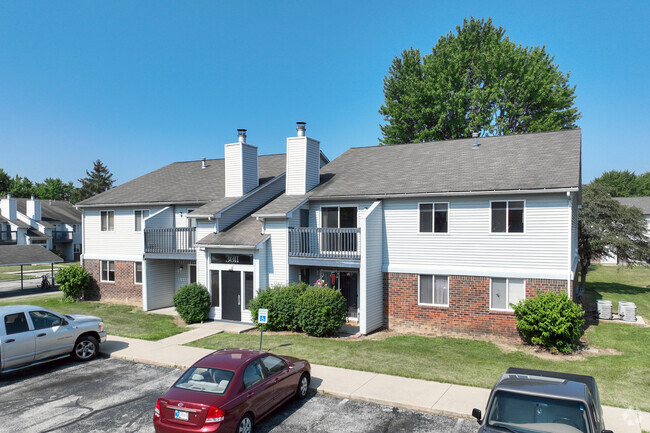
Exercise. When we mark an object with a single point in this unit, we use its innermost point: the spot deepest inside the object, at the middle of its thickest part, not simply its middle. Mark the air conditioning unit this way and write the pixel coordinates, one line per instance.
(627, 311)
(604, 309)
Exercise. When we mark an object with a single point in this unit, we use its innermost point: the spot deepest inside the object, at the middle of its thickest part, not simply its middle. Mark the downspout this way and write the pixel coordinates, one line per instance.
(570, 255)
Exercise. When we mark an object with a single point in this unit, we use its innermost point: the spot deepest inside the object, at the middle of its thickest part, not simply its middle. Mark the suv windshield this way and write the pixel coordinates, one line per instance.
(527, 413)
(204, 379)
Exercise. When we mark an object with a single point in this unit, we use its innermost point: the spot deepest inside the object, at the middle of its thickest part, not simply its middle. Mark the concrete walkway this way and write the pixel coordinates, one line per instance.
(415, 394)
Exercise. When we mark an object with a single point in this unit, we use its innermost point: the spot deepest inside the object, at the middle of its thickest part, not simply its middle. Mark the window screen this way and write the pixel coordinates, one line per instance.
(499, 294)
(426, 217)
(441, 218)
(516, 217)
(248, 288)
(441, 292)
(426, 289)
(214, 277)
(499, 216)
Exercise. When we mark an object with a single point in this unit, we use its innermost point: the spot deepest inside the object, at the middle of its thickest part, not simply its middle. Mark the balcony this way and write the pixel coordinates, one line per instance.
(7, 238)
(325, 243)
(169, 240)
(61, 236)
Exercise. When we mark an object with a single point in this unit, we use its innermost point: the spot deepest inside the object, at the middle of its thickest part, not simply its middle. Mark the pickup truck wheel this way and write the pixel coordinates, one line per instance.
(85, 348)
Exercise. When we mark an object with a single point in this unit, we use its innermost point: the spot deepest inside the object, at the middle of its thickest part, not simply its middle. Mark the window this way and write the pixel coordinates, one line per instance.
(507, 216)
(339, 217)
(248, 288)
(44, 319)
(108, 270)
(16, 323)
(205, 379)
(434, 290)
(108, 220)
(506, 291)
(273, 364)
(139, 216)
(214, 278)
(77, 248)
(253, 374)
(75, 228)
(304, 217)
(433, 217)
(137, 272)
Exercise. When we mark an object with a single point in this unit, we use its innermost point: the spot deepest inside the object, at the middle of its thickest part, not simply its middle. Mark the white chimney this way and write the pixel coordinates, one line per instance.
(303, 162)
(8, 207)
(34, 209)
(241, 168)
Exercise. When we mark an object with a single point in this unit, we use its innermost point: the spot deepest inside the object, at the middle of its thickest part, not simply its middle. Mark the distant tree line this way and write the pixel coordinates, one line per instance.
(625, 183)
(97, 180)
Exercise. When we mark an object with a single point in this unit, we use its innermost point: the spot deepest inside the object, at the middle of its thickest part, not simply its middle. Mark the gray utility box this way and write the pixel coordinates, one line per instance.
(604, 309)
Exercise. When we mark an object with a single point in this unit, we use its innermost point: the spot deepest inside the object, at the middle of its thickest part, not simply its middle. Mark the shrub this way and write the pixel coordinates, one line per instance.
(285, 303)
(265, 299)
(550, 320)
(73, 280)
(321, 311)
(192, 301)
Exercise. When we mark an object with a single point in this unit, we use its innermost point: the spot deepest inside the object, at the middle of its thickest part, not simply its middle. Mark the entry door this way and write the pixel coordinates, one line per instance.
(349, 290)
(231, 292)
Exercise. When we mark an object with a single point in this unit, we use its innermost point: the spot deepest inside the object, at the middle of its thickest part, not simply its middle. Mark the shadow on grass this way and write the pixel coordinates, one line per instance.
(622, 289)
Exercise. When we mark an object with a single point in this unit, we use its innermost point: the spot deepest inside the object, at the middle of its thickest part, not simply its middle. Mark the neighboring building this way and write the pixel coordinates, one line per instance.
(54, 224)
(428, 237)
(642, 203)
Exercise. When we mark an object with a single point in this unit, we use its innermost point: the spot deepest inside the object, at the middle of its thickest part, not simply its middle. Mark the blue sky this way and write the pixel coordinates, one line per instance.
(140, 84)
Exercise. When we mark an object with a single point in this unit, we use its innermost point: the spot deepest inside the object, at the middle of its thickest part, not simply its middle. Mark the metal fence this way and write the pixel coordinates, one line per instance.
(342, 243)
(169, 240)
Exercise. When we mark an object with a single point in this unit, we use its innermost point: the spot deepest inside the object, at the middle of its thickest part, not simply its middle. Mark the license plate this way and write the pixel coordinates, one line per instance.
(182, 415)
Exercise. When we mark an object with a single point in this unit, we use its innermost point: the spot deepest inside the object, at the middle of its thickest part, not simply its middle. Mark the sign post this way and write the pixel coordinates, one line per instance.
(262, 317)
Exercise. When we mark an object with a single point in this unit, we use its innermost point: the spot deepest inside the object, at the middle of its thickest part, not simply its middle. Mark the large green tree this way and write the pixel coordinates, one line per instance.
(605, 226)
(21, 187)
(54, 189)
(5, 182)
(475, 80)
(625, 183)
(98, 180)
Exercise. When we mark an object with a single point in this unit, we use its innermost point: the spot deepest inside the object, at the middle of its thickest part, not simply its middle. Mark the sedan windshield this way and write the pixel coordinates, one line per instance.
(526, 413)
(204, 379)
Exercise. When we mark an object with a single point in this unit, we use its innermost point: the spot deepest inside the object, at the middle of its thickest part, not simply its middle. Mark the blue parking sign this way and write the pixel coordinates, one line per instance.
(263, 315)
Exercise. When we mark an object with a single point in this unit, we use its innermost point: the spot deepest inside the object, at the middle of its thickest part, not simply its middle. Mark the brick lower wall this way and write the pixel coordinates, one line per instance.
(468, 313)
(122, 290)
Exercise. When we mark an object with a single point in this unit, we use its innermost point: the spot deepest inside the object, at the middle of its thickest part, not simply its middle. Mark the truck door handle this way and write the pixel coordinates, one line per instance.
(41, 335)
(11, 340)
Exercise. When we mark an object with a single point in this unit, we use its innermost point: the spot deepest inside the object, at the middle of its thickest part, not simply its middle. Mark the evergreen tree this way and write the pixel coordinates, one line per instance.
(21, 187)
(475, 80)
(5, 182)
(98, 180)
(625, 183)
(54, 189)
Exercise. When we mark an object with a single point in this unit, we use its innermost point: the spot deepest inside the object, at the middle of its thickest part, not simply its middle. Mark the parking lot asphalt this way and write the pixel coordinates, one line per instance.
(112, 395)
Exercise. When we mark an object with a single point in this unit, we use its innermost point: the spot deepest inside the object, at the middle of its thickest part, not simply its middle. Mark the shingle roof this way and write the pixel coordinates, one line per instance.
(26, 254)
(182, 182)
(642, 203)
(247, 233)
(35, 235)
(536, 161)
(53, 211)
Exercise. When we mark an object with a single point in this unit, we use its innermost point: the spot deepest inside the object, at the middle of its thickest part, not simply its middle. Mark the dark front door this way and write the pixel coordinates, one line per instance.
(348, 282)
(231, 291)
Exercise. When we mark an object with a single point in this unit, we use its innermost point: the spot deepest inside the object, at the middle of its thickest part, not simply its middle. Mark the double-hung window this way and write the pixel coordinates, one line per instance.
(434, 290)
(140, 215)
(108, 271)
(137, 272)
(507, 216)
(506, 291)
(107, 220)
(434, 217)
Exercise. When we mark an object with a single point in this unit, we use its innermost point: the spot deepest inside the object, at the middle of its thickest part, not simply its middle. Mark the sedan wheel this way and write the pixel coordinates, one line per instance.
(245, 424)
(85, 348)
(303, 386)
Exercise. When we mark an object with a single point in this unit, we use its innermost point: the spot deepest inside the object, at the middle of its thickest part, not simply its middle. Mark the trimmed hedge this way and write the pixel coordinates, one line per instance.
(550, 320)
(192, 302)
(321, 311)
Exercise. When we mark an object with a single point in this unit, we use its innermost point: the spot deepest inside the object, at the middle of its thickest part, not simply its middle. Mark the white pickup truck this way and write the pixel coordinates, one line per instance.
(31, 335)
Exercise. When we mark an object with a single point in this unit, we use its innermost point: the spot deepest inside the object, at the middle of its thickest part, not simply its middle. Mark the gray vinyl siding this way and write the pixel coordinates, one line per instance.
(160, 219)
(371, 275)
(312, 175)
(469, 244)
(250, 178)
(250, 203)
(160, 284)
(277, 257)
(204, 228)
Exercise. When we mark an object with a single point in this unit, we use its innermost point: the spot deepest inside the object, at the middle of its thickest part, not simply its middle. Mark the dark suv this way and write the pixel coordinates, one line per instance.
(531, 401)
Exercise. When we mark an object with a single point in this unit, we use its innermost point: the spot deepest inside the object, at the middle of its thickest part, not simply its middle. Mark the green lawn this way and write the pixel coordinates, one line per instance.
(7, 272)
(122, 320)
(622, 379)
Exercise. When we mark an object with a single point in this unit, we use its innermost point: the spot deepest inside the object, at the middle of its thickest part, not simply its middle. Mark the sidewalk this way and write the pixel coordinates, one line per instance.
(414, 394)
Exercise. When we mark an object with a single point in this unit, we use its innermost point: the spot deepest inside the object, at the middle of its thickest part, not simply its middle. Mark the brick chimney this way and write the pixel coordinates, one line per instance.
(241, 169)
(303, 162)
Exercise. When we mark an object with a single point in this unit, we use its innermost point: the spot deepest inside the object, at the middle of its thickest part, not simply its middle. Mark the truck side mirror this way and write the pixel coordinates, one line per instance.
(476, 413)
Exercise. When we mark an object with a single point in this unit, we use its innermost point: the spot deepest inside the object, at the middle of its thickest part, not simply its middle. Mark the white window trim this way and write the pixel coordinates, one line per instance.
(508, 307)
(507, 233)
(135, 273)
(433, 219)
(433, 276)
(101, 271)
(101, 228)
(142, 218)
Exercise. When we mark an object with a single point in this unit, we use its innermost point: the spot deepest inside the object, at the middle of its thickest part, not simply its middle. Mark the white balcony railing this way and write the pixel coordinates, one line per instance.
(169, 240)
(336, 243)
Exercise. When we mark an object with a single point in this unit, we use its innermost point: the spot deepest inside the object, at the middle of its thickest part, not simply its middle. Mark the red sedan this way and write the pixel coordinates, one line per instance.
(230, 390)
